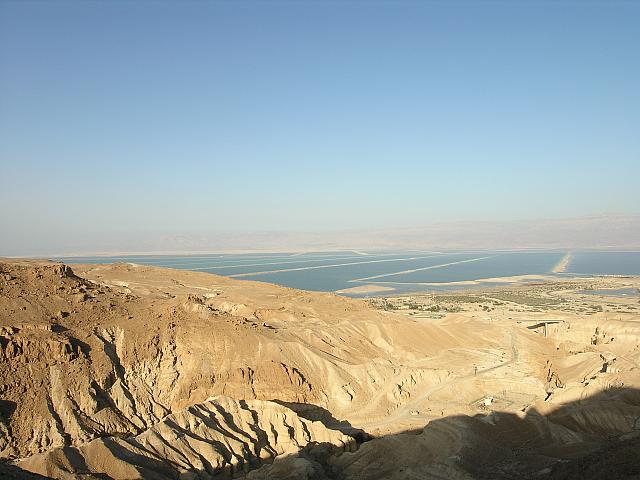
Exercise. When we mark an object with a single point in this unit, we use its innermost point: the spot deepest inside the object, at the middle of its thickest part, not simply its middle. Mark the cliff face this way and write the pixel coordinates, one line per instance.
(220, 437)
(83, 359)
(123, 371)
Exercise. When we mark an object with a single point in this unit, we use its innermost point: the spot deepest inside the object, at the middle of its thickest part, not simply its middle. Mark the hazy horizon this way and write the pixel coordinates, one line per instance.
(137, 126)
(583, 233)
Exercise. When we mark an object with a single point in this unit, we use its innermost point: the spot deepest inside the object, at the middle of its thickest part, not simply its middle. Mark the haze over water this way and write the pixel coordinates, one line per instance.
(402, 271)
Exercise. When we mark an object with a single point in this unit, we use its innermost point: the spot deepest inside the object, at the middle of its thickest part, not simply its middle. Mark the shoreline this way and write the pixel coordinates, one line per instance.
(563, 264)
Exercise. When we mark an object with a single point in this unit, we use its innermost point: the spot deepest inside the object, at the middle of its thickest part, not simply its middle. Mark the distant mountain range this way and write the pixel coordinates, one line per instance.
(601, 232)
(595, 232)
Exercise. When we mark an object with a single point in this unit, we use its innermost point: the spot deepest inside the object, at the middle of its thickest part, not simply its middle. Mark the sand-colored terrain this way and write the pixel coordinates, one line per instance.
(125, 371)
(366, 289)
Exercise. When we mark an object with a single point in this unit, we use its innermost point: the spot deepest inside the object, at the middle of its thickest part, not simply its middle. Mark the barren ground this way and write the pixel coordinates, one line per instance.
(124, 371)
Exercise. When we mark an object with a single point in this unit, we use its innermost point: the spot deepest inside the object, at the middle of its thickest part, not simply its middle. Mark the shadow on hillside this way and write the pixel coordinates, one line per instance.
(7, 407)
(315, 413)
(594, 438)
(11, 472)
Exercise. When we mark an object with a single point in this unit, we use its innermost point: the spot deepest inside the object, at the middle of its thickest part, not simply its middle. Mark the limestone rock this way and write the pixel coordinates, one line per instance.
(218, 438)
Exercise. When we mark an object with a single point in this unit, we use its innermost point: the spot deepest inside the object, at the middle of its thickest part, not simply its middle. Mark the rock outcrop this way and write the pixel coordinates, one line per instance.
(125, 372)
(219, 438)
(83, 358)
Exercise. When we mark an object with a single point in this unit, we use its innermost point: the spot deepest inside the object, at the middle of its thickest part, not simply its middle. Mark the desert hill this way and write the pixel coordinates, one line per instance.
(125, 371)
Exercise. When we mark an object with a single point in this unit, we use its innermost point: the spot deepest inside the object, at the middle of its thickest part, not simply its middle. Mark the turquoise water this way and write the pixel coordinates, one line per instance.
(405, 271)
(605, 263)
(489, 265)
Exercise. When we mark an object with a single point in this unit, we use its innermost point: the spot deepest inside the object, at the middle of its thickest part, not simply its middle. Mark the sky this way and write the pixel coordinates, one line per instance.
(131, 120)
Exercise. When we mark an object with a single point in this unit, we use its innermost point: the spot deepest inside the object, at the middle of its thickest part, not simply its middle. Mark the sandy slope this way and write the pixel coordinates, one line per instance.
(112, 361)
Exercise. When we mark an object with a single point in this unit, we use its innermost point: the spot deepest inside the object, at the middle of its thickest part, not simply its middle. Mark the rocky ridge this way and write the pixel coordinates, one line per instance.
(125, 371)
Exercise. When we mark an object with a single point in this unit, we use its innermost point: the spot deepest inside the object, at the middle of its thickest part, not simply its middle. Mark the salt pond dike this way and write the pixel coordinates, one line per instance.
(124, 372)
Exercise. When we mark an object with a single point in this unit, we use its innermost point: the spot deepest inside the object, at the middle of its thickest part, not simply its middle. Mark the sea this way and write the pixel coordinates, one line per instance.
(395, 272)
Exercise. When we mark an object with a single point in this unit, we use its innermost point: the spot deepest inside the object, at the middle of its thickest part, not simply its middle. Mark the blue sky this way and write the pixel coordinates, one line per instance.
(149, 118)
